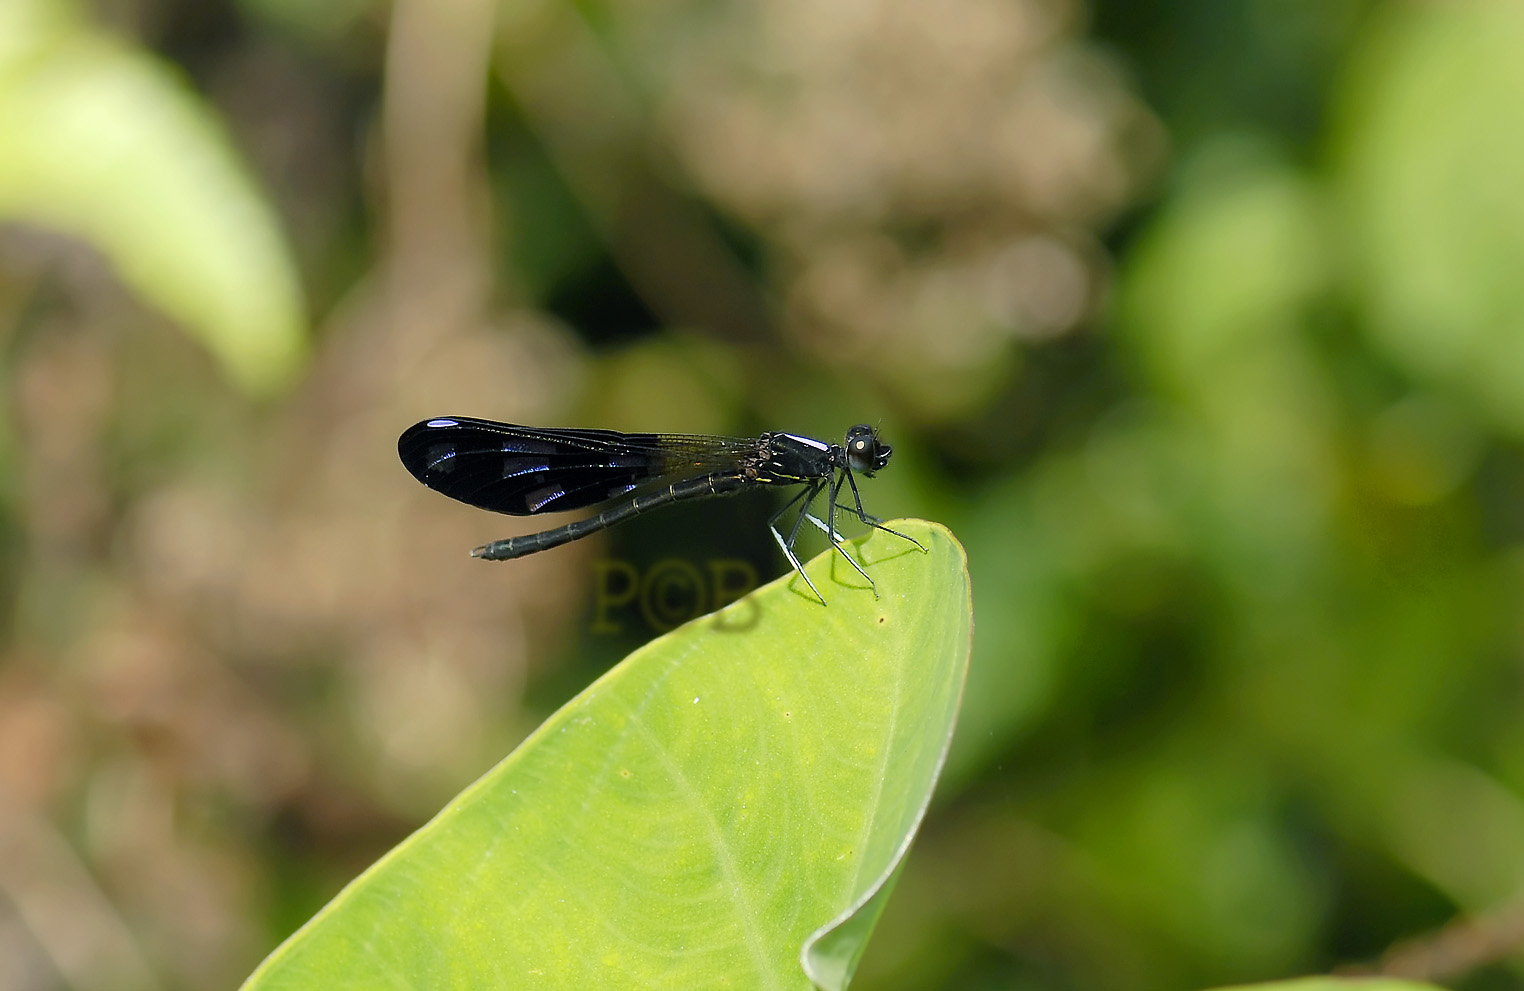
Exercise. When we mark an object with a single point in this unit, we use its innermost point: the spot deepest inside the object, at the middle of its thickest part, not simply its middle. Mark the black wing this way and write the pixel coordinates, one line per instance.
(525, 471)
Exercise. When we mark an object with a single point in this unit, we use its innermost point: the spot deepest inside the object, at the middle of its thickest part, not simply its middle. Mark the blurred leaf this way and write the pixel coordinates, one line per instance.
(729, 801)
(1214, 301)
(1224, 269)
(108, 145)
(1431, 147)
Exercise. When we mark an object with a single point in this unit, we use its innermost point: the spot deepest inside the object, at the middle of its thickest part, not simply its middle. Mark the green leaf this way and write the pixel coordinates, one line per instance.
(1336, 984)
(108, 144)
(725, 808)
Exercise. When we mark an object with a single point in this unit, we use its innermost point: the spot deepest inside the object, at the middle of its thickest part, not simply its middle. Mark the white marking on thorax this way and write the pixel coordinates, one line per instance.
(809, 442)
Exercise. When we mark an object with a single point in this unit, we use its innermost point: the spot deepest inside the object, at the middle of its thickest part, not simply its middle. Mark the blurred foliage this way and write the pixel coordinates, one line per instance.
(1197, 323)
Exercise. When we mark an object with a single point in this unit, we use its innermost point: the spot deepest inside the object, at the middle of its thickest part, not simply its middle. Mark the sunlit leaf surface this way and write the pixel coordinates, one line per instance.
(720, 810)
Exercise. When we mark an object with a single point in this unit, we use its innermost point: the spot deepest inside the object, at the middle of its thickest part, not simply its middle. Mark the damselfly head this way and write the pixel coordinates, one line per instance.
(865, 452)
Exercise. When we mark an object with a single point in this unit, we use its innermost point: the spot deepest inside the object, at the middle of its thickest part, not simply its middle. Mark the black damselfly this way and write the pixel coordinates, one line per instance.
(526, 471)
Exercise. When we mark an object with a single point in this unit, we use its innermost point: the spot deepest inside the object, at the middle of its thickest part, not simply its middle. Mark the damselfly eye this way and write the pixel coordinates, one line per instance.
(863, 449)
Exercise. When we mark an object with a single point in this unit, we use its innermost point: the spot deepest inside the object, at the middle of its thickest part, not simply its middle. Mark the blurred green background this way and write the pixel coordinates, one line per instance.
(1201, 324)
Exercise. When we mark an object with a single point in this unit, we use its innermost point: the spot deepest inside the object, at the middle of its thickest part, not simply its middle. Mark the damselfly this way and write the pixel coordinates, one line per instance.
(527, 471)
